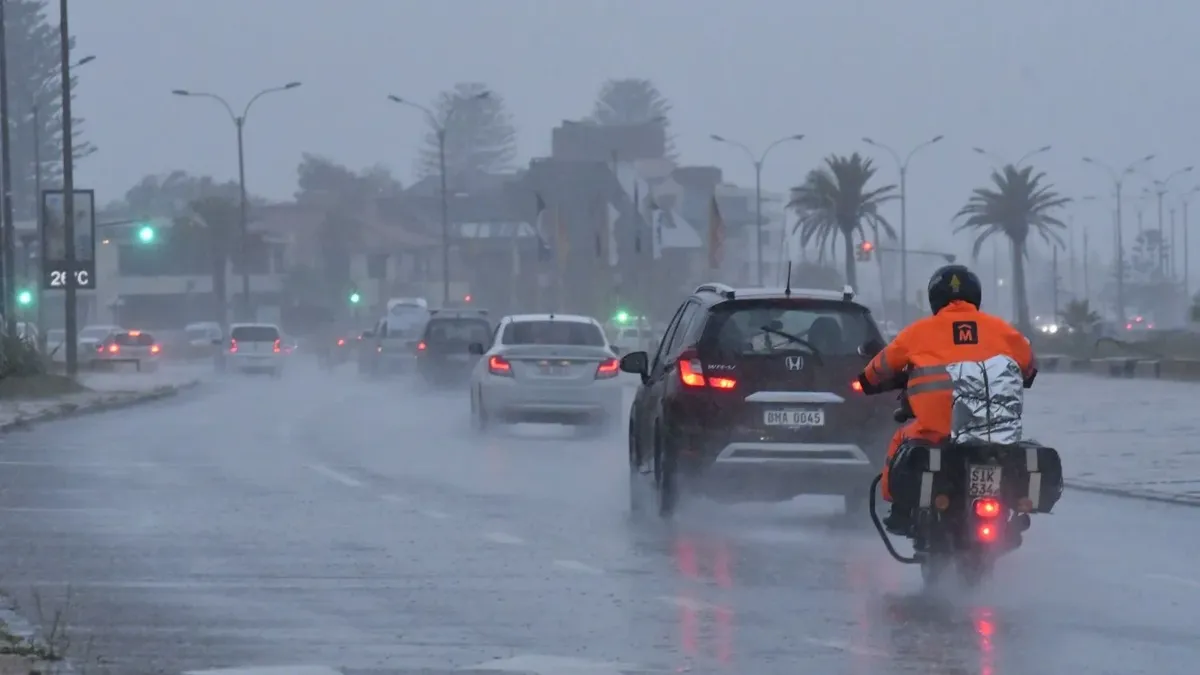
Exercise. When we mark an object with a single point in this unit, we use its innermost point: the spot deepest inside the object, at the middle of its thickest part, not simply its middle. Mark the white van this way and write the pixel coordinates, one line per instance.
(255, 348)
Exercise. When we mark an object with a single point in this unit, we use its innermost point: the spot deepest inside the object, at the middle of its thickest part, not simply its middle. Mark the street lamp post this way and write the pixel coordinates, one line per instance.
(1184, 199)
(1160, 191)
(37, 191)
(902, 166)
(439, 126)
(239, 122)
(996, 156)
(758, 166)
(1118, 180)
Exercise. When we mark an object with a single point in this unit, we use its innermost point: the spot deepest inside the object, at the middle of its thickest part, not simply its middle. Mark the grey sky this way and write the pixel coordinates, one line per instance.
(1108, 78)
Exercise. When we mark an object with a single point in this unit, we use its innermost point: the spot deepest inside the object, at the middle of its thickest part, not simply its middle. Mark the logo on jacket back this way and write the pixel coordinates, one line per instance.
(966, 333)
(794, 362)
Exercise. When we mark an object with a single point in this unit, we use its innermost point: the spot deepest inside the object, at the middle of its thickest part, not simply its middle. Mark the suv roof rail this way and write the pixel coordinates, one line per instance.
(847, 293)
(718, 288)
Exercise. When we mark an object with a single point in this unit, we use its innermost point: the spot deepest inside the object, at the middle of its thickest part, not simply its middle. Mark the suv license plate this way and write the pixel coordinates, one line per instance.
(796, 417)
(984, 481)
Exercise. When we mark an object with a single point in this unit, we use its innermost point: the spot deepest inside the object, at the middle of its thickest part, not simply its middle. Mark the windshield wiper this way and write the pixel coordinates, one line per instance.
(798, 340)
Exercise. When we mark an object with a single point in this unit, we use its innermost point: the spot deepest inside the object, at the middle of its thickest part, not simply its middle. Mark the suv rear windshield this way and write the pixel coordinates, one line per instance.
(255, 334)
(132, 340)
(762, 327)
(553, 333)
(466, 331)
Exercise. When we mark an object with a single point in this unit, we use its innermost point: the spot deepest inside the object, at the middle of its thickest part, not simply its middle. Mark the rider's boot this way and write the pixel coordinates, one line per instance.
(899, 521)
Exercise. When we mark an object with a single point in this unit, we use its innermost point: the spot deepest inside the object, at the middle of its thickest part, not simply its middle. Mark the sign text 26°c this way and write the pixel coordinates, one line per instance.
(81, 278)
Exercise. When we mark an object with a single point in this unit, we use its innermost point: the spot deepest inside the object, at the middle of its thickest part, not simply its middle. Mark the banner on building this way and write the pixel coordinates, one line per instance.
(57, 272)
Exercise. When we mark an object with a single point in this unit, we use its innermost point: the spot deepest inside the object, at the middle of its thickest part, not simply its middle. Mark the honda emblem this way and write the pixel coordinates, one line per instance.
(794, 362)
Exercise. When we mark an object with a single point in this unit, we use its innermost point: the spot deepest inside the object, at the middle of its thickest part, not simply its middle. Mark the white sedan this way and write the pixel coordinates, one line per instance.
(546, 368)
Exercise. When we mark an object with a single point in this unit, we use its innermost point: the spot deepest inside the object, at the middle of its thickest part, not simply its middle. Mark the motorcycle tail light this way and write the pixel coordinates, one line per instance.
(987, 532)
(987, 507)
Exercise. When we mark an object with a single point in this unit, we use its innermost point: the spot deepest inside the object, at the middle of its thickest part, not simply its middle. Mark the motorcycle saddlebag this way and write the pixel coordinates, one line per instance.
(914, 459)
(1041, 477)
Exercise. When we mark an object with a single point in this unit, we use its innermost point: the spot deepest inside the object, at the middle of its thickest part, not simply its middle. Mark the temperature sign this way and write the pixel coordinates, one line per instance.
(57, 271)
(61, 278)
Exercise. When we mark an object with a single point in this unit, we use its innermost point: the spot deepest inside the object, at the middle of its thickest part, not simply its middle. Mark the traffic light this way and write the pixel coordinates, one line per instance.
(355, 297)
(864, 251)
(146, 234)
(621, 317)
(24, 297)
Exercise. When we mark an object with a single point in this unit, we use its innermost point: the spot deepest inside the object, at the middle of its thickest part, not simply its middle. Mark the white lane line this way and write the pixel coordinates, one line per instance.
(503, 538)
(438, 515)
(335, 475)
(1171, 579)
(846, 647)
(268, 670)
(394, 499)
(576, 566)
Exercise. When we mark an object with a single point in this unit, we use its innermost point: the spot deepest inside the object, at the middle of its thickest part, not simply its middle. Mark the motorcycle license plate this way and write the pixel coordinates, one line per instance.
(794, 417)
(984, 481)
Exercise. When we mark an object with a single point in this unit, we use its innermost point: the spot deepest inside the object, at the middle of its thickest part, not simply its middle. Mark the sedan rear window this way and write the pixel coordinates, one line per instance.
(466, 331)
(767, 326)
(553, 333)
(134, 339)
(255, 334)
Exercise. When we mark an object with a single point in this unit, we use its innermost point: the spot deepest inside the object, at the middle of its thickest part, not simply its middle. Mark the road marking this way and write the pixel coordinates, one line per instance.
(1182, 581)
(503, 538)
(268, 670)
(576, 566)
(544, 664)
(99, 510)
(846, 647)
(394, 499)
(434, 514)
(335, 475)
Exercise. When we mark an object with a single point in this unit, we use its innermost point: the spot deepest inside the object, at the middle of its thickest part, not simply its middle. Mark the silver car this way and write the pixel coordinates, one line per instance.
(546, 368)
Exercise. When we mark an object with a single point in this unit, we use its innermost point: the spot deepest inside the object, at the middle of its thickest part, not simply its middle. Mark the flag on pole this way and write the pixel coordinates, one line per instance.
(637, 226)
(613, 216)
(716, 234)
(539, 226)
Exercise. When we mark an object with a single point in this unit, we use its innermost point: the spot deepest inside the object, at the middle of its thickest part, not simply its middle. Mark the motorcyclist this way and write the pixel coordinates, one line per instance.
(916, 359)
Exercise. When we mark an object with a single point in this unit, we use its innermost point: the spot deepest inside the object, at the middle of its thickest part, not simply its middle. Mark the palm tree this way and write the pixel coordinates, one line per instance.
(835, 199)
(1021, 203)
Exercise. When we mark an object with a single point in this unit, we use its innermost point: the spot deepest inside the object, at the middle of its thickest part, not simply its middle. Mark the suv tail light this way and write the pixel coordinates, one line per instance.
(114, 348)
(987, 507)
(691, 373)
(154, 349)
(421, 346)
(608, 369)
(232, 346)
(275, 348)
(498, 365)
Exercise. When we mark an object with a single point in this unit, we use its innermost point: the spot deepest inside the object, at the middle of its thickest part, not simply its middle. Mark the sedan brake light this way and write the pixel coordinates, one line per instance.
(341, 342)
(154, 349)
(608, 369)
(114, 348)
(691, 373)
(498, 365)
(232, 346)
(276, 347)
(421, 346)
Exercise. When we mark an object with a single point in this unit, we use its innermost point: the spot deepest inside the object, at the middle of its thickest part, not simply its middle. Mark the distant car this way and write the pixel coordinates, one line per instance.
(200, 337)
(444, 351)
(255, 348)
(90, 339)
(550, 368)
(632, 338)
(131, 346)
(391, 346)
(752, 396)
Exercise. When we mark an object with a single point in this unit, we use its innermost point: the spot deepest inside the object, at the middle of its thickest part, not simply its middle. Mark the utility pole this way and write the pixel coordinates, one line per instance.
(902, 165)
(1118, 181)
(70, 320)
(10, 230)
(1054, 274)
(757, 161)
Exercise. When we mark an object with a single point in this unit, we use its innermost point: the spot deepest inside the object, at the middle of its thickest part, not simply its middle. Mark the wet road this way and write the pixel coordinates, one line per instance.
(360, 526)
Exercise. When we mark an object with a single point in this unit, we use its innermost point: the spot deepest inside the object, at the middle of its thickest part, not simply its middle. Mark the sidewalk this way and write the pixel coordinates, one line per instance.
(1124, 436)
(107, 390)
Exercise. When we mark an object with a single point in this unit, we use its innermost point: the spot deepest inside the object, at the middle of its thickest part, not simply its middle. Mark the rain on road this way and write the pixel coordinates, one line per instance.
(330, 522)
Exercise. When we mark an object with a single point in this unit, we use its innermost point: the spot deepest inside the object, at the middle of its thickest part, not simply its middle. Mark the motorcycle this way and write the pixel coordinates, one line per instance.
(973, 501)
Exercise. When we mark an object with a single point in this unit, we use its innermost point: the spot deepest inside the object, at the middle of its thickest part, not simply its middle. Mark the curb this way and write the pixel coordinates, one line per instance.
(113, 401)
(1134, 493)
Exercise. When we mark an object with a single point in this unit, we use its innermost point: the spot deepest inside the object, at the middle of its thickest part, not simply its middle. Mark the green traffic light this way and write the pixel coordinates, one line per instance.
(622, 317)
(25, 298)
(146, 234)
(354, 298)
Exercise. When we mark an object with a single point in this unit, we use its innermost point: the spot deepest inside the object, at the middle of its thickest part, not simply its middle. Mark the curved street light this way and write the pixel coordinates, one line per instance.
(239, 122)
(439, 124)
(902, 166)
(1184, 199)
(1160, 190)
(757, 161)
(1118, 181)
(994, 156)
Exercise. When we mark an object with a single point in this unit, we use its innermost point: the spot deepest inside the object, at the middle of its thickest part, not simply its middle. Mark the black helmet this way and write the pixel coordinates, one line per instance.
(954, 282)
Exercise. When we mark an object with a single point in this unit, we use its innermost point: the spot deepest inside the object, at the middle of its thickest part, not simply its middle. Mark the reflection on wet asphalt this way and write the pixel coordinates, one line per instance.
(361, 526)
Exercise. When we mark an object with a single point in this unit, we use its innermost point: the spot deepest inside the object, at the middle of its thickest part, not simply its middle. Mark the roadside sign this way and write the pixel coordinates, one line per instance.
(57, 274)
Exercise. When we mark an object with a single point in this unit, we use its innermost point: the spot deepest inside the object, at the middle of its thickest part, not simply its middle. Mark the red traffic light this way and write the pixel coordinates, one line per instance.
(466, 298)
(867, 246)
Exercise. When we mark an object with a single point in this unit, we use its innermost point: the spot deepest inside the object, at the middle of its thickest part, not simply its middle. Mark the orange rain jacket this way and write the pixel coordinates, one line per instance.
(959, 332)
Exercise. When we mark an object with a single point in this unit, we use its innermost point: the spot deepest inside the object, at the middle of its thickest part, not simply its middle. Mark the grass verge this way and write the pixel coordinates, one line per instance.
(38, 387)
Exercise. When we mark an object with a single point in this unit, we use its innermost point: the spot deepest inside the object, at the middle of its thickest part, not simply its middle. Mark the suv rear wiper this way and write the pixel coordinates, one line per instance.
(798, 340)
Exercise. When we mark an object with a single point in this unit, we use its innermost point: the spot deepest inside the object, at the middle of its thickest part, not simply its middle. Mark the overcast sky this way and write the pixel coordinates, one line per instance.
(1109, 78)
